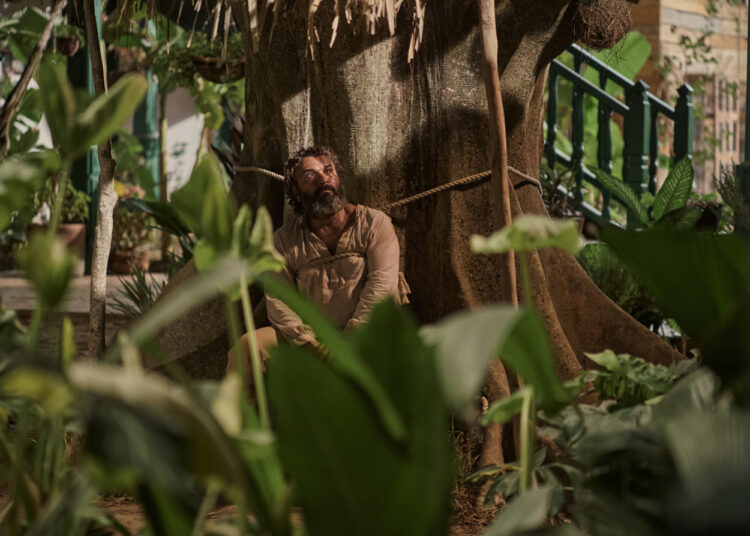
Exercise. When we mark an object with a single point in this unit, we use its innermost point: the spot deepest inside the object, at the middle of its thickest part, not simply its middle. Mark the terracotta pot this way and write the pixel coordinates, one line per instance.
(74, 236)
(123, 263)
(209, 68)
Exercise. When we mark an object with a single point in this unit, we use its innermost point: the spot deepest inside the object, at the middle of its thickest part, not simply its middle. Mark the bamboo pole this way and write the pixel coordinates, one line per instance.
(500, 182)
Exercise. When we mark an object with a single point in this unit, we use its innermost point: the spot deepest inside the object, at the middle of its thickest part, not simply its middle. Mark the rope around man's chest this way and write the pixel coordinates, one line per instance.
(470, 179)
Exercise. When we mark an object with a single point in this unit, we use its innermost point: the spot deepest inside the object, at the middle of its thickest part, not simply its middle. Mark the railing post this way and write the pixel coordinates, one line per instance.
(577, 136)
(637, 130)
(653, 166)
(604, 145)
(549, 144)
(683, 123)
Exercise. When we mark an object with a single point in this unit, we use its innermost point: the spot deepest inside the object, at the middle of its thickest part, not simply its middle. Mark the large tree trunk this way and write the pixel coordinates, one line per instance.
(403, 128)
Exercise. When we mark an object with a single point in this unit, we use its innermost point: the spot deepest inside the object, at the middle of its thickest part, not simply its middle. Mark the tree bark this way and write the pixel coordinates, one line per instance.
(402, 128)
(107, 200)
(14, 99)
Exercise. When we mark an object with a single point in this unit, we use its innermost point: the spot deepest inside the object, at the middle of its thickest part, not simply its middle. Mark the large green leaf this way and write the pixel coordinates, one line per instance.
(20, 177)
(529, 232)
(703, 282)
(712, 455)
(465, 343)
(526, 350)
(339, 352)
(107, 113)
(624, 192)
(59, 105)
(205, 204)
(49, 266)
(351, 476)
(681, 219)
(144, 431)
(524, 514)
(675, 191)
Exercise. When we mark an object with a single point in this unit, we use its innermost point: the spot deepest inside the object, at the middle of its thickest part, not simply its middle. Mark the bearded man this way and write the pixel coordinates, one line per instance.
(344, 257)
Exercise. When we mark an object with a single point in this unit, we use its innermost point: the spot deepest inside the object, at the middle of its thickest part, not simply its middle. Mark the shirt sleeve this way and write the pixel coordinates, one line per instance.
(282, 317)
(382, 269)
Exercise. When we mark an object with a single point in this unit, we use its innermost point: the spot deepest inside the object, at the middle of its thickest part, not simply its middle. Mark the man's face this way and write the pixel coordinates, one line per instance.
(317, 187)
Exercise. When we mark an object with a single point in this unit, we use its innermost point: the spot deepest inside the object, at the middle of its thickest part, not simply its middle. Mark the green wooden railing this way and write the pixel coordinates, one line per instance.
(640, 118)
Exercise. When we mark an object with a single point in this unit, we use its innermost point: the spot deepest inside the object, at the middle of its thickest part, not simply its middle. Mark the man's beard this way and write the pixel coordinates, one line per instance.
(327, 202)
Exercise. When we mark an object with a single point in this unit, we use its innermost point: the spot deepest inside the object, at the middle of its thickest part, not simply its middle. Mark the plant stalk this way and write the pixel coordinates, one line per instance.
(527, 439)
(233, 325)
(163, 126)
(260, 389)
(62, 186)
(525, 279)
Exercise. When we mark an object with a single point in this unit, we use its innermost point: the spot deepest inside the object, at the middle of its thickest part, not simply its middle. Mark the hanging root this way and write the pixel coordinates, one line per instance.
(602, 23)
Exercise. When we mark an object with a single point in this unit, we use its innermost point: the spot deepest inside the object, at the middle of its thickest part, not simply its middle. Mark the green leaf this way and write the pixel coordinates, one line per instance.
(712, 454)
(675, 191)
(352, 477)
(205, 204)
(466, 342)
(49, 266)
(67, 342)
(681, 219)
(43, 387)
(211, 451)
(674, 265)
(624, 193)
(167, 218)
(59, 105)
(529, 232)
(340, 353)
(107, 113)
(526, 350)
(20, 177)
(225, 273)
(527, 512)
(504, 410)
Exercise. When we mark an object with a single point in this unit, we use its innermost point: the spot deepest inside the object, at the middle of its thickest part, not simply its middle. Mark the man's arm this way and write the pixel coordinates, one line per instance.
(284, 319)
(382, 269)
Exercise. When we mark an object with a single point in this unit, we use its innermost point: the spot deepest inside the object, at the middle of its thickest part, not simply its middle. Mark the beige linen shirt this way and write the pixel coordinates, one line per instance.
(346, 288)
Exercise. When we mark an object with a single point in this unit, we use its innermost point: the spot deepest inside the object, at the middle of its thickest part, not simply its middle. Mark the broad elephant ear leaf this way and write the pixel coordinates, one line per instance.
(675, 191)
(107, 113)
(465, 344)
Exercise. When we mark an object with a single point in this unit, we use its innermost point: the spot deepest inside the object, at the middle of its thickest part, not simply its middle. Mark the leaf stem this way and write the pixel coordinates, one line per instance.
(527, 439)
(36, 323)
(525, 277)
(62, 185)
(260, 390)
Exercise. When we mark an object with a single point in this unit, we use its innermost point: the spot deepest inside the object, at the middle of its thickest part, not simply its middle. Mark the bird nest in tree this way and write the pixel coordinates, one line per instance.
(602, 23)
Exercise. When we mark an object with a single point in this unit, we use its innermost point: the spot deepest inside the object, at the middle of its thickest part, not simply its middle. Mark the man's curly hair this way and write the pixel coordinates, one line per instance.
(293, 162)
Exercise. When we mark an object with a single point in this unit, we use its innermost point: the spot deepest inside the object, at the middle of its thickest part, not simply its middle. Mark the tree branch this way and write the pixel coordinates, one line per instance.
(14, 99)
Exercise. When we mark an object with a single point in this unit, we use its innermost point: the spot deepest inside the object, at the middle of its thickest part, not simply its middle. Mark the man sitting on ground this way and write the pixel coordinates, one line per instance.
(344, 257)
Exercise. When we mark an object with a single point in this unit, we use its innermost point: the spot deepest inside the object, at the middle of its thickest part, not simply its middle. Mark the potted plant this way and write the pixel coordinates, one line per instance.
(73, 216)
(131, 231)
(217, 63)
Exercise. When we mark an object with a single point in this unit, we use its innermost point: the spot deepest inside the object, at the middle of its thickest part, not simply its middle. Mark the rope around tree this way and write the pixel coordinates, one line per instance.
(470, 179)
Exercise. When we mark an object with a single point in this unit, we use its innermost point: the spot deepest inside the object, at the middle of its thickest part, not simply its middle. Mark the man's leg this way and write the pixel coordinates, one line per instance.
(266, 338)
